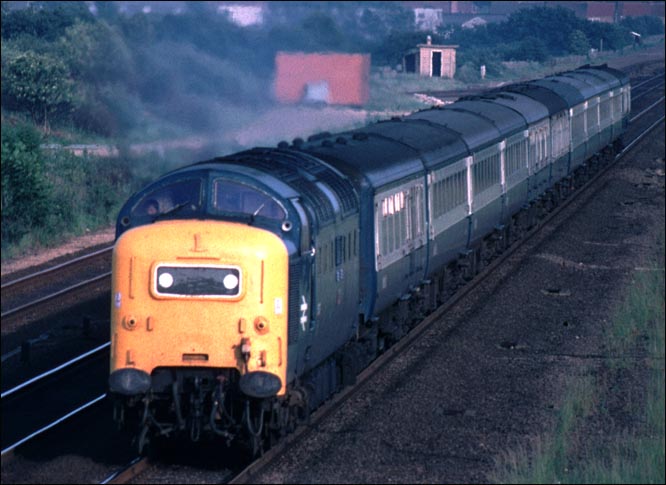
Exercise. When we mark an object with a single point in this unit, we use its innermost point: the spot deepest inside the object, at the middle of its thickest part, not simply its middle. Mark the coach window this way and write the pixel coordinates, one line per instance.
(236, 198)
(486, 169)
(617, 105)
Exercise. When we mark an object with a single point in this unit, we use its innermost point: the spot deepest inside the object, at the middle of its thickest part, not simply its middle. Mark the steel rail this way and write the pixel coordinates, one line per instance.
(54, 423)
(54, 295)
(640, 137)
(658, 76)
(50, 372)
(55, 268)
(631, 120)
(644, 93)
(136, 466)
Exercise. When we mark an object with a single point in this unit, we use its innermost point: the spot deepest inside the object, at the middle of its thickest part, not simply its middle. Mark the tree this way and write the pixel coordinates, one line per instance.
(322, 31)
(97, 54)
(38, 84)
(47, 21)
(578, 43)
(531, 49)
(552, 25)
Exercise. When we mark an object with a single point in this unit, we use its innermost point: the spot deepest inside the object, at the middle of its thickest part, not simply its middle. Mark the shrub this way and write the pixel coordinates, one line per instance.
(25, 190)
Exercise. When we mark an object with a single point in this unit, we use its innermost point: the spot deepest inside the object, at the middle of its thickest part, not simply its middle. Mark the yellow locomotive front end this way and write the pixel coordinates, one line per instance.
(199, 318)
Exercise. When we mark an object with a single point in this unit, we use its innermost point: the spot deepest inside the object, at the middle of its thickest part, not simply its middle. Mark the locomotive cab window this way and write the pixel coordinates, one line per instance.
(178, 197)
(237, 198)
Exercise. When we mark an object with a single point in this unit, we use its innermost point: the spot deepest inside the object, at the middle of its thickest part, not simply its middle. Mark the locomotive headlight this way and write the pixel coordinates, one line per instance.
(211, 281)
(230, 281)
(165, 280)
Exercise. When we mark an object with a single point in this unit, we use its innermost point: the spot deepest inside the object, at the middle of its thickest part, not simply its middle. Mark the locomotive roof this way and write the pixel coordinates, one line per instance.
(263, 177)
(321, 185)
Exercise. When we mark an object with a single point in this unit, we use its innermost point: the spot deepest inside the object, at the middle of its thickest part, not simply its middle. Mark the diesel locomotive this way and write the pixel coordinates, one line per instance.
(248, 288)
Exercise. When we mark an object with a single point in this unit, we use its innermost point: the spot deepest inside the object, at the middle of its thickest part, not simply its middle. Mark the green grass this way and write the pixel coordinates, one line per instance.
(617, 454)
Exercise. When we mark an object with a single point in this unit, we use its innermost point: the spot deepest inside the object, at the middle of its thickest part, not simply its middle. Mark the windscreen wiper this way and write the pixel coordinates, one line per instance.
(173, 210)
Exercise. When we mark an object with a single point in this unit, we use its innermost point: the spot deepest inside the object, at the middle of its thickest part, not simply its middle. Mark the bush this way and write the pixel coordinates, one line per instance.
(25, 190)
(47, 196)
(87, 191)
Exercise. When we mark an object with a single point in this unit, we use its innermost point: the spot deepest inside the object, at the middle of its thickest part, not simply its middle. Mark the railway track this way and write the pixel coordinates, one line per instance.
(256, 467)
(250, 474)
(24, 415)
(43, 292)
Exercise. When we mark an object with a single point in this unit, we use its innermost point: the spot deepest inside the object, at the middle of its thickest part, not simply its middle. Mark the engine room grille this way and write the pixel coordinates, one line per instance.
(287, 172)
(302, 171)
(294, 302)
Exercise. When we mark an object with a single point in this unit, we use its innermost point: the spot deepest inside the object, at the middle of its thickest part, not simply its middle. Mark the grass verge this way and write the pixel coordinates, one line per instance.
(603, 436)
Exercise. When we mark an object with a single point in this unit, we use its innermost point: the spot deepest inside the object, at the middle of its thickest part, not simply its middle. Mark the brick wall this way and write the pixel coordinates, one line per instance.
(345, 76)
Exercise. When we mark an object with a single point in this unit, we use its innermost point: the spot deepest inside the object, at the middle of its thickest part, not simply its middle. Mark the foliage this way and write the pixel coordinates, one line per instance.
(25, 192)
(97, 54)
(578, 43)
(528, 49)
(163, 65)
(86, 190)
(38, 84)
(49, 194)
(473, 59)
(538, 33)
(606, 36)
(46, 21)
(645, 25)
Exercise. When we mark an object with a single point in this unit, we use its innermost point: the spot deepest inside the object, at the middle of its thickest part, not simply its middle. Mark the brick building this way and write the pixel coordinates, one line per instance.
(431, 60)
(325, 77)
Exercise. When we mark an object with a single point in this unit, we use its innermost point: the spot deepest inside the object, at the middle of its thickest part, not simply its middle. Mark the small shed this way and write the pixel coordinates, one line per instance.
(329, 78)
(431, 60)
